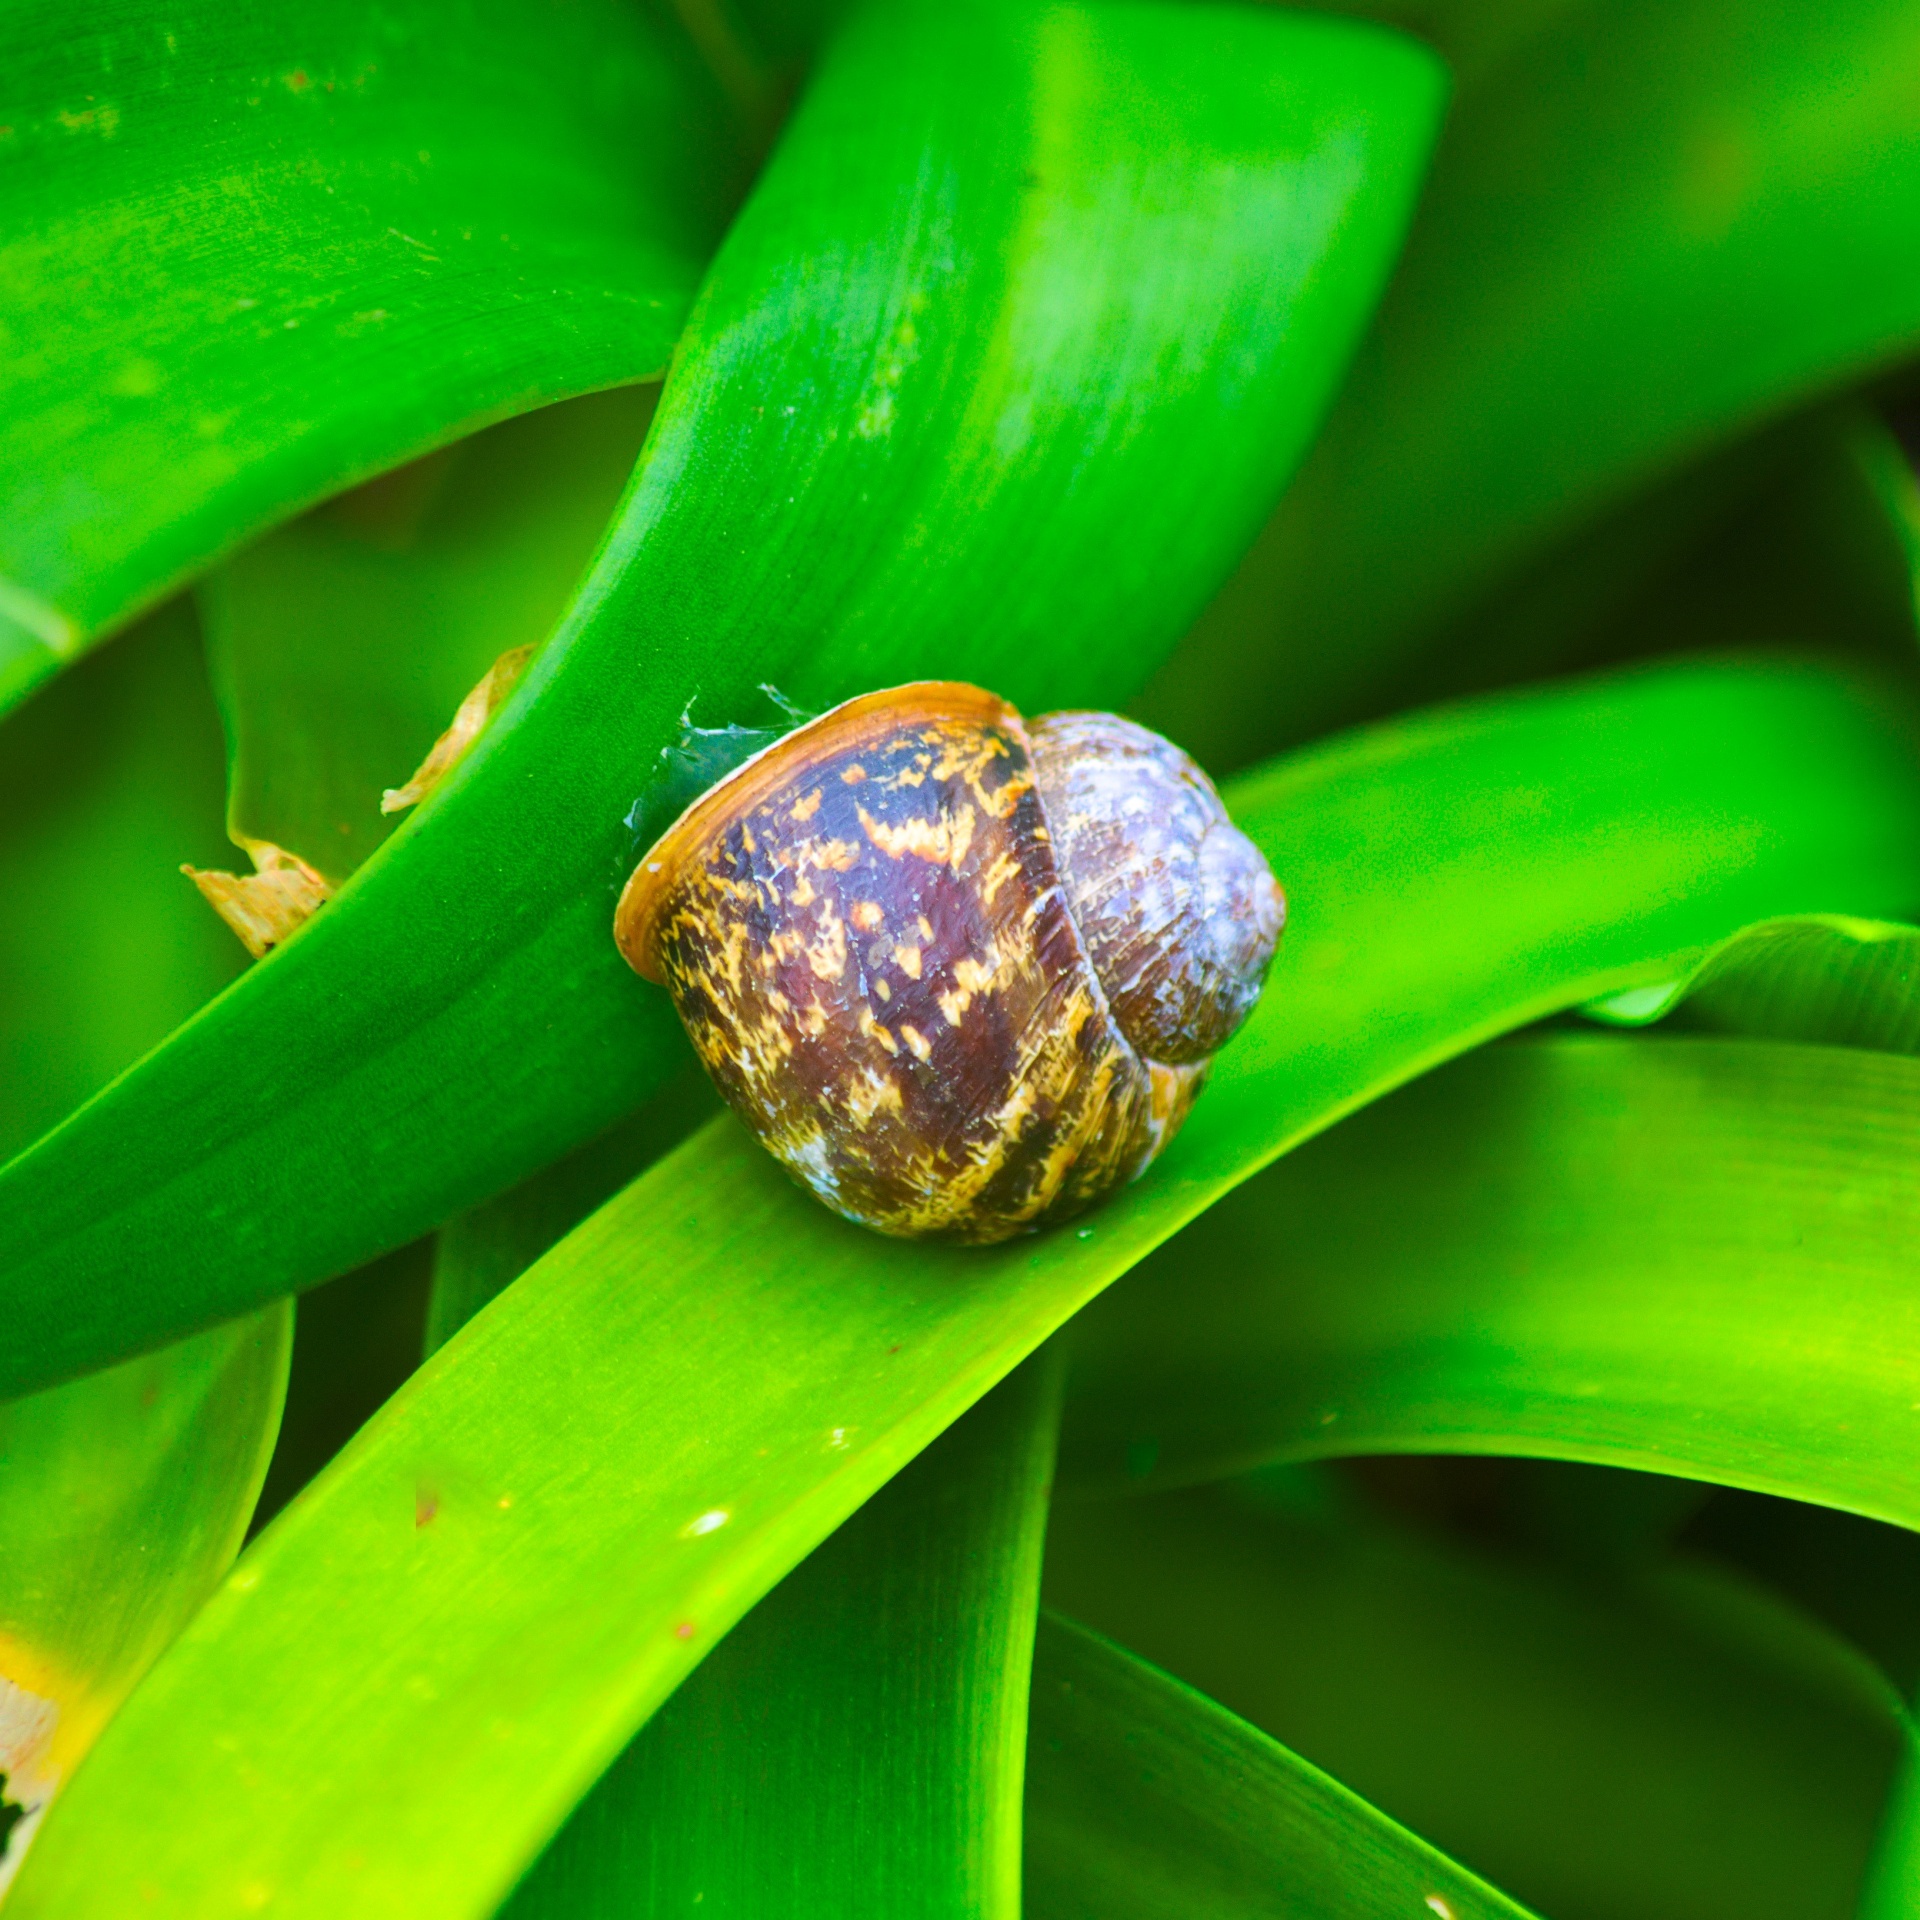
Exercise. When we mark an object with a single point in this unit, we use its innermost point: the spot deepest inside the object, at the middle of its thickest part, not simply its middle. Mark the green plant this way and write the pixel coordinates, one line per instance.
(1530, 1453)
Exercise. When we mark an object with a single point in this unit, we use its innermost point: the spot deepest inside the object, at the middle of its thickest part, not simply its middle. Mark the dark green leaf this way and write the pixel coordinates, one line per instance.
(1663, 225)
(106, 785)
(1146, 1801)
(1667, 1743)
(354, 1341)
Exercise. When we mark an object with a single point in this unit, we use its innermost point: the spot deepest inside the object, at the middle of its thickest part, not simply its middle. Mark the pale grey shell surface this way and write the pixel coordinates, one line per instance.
(1176, 906)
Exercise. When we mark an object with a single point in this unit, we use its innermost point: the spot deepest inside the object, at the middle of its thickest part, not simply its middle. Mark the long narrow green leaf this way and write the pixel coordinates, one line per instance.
(123, 1499)
(1692, 1256)
(856, 1745)
(1663, 1743)
(1147, 1801)
(255, 252)
(453, 1602)
(1020, 292)
(1666, 223)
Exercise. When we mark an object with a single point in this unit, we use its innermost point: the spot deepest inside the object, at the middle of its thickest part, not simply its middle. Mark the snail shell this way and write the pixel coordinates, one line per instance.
(961, 973)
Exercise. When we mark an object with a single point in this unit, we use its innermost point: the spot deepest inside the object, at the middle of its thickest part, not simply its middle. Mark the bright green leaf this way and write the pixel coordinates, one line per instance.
(1663, 225)
(856, 1745)
(1024, 324)
(123, 1499)
(256, 252)
(494, 1585)
(1147, 1801)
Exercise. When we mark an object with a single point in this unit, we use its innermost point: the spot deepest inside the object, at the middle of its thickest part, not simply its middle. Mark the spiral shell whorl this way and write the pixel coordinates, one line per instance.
(1176, 906)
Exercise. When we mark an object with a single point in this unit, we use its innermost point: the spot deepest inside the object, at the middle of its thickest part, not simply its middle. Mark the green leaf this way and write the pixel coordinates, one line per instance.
(1886, 465)
(713, 1340)
(341, 644)
(106, 785)
(1838, 551)
(1664, 225)
(1784, 539)
(1660, 1743)
(257, 252)
(857, 1743)
(123, 1499)
(1824, 979)
(1147, 1801)
(1692, 1256)
(355, 1340)
(1017, 295)
(1893, 1884)
(478, 1254)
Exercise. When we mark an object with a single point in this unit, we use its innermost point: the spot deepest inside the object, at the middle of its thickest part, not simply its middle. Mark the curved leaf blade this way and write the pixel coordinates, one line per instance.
(1825, 979)
(1664, 225)
(709, 1339)
(257, 252)
(947, 366)
(856, 1744)
(1666, 1743)
(1689, 1256)
(1147, 1801)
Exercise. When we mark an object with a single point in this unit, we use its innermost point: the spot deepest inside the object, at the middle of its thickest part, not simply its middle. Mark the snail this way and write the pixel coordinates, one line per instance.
(961, 972)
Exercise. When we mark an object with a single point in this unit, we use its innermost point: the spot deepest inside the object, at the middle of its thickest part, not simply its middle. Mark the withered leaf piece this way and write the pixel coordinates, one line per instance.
(475, 711)
(265, 906)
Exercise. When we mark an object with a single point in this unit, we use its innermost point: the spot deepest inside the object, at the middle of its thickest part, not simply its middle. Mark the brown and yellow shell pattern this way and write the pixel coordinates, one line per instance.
(866, 935)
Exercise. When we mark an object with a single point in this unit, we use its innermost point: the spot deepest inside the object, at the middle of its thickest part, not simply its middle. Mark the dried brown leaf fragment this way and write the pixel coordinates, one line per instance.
(266, 906)
(474, 712)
